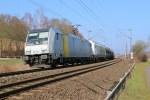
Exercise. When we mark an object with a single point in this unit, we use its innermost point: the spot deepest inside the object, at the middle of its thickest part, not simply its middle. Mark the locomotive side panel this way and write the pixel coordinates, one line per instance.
(74, 44)
(58, 45)
(86, 49)
(71, 45)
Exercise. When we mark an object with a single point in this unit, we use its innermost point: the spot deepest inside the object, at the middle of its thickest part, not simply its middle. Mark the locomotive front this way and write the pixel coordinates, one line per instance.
(36, 47)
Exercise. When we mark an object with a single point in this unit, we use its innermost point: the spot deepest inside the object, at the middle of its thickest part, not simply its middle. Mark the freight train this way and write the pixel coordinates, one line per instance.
(52, 47)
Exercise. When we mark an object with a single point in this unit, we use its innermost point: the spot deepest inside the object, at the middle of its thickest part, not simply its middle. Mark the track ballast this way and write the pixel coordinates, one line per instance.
(17, 87)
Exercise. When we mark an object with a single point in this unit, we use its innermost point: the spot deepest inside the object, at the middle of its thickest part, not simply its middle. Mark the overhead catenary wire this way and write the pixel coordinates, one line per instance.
(98, 5)
(90, 12)
(53, 12)
(43, 7)
(86, 8)
(68, 6)
(76, 12)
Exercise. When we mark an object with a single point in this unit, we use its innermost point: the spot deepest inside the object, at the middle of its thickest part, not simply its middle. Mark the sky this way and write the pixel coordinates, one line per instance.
(109, 22)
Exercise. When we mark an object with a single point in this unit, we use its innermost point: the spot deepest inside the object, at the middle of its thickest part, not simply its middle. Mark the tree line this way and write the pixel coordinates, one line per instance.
(15, 28)
(11, 48)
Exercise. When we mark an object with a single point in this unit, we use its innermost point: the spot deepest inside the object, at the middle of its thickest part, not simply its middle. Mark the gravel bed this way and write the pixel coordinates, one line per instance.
(17, 78)
(89, 86)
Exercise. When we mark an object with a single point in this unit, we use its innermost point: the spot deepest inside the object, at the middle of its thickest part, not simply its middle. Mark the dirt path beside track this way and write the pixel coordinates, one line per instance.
(12, 64)
(13, 68)
(148, 75)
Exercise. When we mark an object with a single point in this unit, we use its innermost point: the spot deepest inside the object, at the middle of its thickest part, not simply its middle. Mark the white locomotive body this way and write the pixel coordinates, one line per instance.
(43, 45)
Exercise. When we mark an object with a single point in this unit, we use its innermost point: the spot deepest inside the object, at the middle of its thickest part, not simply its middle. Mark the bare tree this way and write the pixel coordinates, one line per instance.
(28, 20)
(66, 26)
(139, 50)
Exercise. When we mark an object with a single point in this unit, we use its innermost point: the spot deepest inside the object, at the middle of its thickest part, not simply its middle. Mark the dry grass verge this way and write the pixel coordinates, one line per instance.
(9, 65)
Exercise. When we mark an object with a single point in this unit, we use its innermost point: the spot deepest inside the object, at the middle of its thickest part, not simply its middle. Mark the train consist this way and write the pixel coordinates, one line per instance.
(51, 47)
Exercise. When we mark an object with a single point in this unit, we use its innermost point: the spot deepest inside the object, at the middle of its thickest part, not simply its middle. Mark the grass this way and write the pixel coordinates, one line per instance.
(10, 61)
(137, 87)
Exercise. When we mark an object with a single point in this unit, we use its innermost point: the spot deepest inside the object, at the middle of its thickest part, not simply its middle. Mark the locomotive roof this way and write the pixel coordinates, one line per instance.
(44, 30)
(39, 30)
(99, 44)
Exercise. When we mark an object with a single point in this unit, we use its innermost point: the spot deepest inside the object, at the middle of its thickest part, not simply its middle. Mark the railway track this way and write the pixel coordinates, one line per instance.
(33, 70)
(17, 87)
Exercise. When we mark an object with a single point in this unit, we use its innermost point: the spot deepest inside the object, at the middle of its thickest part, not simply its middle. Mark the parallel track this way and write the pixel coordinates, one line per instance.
(33, 70)
(14, 88)
(23, 72)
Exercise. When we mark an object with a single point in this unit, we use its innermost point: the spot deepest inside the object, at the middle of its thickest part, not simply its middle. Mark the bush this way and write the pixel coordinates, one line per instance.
(143, 57)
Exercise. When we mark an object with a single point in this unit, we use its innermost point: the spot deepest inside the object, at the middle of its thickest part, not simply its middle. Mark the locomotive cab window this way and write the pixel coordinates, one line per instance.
(37, 38)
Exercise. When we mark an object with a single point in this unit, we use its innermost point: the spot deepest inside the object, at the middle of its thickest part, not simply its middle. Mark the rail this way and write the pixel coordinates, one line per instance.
(37, 70)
